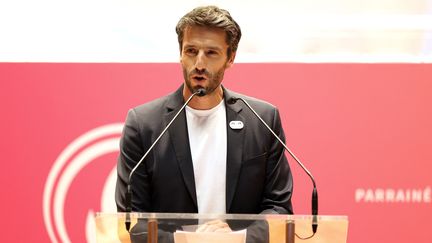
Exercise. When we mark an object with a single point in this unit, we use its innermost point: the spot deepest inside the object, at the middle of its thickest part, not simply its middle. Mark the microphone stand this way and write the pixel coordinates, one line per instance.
(314, 191)
(199, 92)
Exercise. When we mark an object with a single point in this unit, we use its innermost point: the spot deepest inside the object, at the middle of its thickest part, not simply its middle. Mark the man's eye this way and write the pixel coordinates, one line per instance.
(212, 53)
(190, 51)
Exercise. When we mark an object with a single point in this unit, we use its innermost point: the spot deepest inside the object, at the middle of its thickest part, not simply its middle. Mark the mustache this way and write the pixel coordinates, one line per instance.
(199, 72)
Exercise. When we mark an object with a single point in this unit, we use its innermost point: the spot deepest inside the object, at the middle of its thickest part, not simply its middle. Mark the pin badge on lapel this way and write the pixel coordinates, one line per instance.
(236, 125)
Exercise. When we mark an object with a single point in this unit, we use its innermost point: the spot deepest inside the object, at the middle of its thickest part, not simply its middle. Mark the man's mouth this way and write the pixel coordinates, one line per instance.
(199, 78)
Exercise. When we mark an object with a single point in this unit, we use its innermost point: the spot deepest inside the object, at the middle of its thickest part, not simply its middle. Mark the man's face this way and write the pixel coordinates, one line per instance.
(204, 58)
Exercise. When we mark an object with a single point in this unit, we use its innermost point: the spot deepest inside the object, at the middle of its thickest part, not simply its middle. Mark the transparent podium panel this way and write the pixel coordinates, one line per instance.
(225, 228)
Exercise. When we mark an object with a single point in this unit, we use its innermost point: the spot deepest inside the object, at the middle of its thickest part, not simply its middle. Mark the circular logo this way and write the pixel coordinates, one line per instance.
(72, 161)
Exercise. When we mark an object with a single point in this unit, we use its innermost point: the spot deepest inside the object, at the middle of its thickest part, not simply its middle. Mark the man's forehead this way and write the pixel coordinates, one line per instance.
(200, 28)
(201, 34)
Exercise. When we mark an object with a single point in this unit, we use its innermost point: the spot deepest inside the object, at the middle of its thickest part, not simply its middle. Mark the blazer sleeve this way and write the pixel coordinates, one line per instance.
(131, 151)
(279, 182)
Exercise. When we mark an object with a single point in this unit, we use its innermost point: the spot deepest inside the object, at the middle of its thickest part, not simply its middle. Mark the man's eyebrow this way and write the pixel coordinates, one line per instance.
(217, 48)
(189, 45)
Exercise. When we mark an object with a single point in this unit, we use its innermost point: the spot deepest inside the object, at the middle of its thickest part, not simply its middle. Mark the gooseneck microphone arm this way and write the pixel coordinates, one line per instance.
(314, 192)
(199, 92)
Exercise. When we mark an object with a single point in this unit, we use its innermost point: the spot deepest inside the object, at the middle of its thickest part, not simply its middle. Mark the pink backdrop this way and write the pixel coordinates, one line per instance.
(357, 127)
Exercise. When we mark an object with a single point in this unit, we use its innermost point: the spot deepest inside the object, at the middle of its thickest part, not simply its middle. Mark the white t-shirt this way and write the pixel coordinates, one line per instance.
(208, 142)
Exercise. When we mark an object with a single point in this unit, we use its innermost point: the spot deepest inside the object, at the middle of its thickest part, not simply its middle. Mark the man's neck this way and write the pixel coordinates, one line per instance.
(205, 102)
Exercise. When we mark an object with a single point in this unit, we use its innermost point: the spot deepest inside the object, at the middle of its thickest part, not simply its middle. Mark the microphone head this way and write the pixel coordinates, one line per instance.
(201, 92)
(232, 100)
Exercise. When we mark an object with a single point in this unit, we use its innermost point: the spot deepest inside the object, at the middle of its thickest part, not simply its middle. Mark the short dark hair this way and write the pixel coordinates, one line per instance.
(211, 16)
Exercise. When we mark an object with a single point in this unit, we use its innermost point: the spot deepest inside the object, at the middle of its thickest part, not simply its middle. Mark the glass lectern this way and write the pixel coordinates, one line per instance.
(244, 228)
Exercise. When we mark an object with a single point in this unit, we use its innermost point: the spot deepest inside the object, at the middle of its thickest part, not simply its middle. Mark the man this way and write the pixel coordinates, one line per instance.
(202, 164)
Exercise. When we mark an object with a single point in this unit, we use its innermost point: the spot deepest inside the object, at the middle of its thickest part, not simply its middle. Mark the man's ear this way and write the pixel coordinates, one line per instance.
(181, 58)
(181, 52)
(231, 60)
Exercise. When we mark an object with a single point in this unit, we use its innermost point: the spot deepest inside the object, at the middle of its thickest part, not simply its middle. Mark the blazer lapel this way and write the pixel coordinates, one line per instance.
(179, 138)
(235, 140)
(178, 132)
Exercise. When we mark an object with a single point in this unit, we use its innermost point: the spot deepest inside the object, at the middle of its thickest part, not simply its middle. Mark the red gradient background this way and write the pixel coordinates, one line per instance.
(353, 125)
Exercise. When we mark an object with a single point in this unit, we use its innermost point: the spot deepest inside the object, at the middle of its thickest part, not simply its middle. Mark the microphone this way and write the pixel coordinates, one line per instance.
(233, 100)
(200, 92)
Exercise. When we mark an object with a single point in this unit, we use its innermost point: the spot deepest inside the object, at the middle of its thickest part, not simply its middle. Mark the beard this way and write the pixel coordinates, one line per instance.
(214, 79)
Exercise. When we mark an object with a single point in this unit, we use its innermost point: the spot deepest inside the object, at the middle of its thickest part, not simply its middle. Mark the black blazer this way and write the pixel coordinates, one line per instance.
(258, 177)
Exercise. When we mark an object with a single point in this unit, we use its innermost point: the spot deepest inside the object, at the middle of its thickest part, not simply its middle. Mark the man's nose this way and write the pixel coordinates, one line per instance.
(200, 64)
